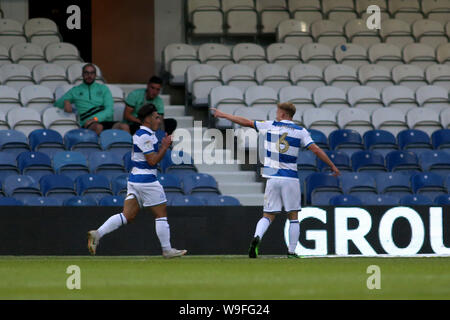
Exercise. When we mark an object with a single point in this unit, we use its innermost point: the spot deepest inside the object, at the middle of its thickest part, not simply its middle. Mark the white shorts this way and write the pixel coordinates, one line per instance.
(147, 194)
(282, 193)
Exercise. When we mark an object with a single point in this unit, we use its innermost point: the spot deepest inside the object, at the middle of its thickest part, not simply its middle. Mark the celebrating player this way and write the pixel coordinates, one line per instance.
(143, 189)
(283, 141)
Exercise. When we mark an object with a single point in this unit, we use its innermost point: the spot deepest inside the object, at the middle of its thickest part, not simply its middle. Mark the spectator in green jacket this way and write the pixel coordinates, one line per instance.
(140, 97)
(93, 101)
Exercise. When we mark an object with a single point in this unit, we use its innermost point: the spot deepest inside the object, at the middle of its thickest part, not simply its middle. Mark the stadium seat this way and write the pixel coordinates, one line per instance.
(119, 185)
(429, 184)
(399, 97)
(443, 200)
(321, 119)
(380, 200)
(80, 201)
(60, 121)
(352, 55)
(106, 163)
(328, 32)
(436, 161)
(57, 186)
(358, 183)
(339, 11)
(271, 13)
(408, 75)
(14, 142)
(376, 76)
(414, 140)
(170, 183)
(365, 160)
(415, 200)
(385, 54)
(117, 141)
(219, 200)
(389, 119)
(24, 120)
(306, 160)
(408, 11)
(36, 201)
(429, 32)
(318, 54)
(178, 163)
(215, 54)
(226, 99)
(426, 120)
(340, 159)
(341, 76)
(63, 54)
(128, 164)
(308, 76)
(320, 187)
(292, 33)
(46, 141)
(200, 79)
(405, 161)
(380, 141)
(433, 97)
(16, 76)
(199, 184)
(250, 54)
(366, 98)
(330, 97)
(357, 33)
(238, 75)
(261, 97)
(395, 184)
(345, 200)
(10, 201)
(437, 10)
(27, 54)
(438, 75)
(11, 32)
(345, 140)
(50, 75)
(319, 138)
(37, 97)
(241, 17)
(41, 31)
(396, 32)
(177, 58)
(111, 201)
(355, 119)
(70, 163)
(204, 18)
(300, 97)
(34, 164)
(272, 75)
(21, 187)
(82, 140)
(94, 185)
(9, 98)
(441, 139)
(305, 10)
(8, 166)
(419, 54)
(187, 200)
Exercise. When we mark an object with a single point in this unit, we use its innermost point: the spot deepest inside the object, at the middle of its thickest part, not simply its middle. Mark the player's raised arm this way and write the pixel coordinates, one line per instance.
(323, 156)
(236, 119)
(154, 157)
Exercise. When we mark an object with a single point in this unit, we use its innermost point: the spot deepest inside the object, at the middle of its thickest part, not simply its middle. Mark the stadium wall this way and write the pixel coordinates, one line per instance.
(398, 231)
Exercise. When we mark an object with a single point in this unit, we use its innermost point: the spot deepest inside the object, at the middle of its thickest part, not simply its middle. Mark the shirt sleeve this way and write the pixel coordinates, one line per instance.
(262, 125)
(67, 96)
(130, 100)
(148, 144)
(305, 138)
(159, 104)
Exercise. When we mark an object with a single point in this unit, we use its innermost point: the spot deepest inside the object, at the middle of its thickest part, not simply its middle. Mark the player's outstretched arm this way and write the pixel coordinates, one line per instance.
(236, 119)
(155, 157)
(323, 156)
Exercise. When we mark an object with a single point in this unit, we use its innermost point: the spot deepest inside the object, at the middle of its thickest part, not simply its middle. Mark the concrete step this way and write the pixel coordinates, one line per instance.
(212, 168)
(127, 88)
(256, 199)
(174, 111)
(166, 98)
(241, 187)
(234, 177)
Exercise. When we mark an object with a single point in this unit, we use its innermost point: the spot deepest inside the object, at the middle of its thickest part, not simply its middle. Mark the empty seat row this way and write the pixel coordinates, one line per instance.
(387, 200)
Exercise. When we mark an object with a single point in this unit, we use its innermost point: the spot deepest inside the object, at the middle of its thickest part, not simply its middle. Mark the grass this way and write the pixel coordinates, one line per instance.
(223, 278)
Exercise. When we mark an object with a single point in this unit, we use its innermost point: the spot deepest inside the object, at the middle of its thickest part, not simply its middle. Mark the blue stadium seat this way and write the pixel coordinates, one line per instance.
(416, 200)
(187, 200)
(320, 187)
(366, 160)
(119, 185)
(380, 200)
(346, 140)
(405, 161)
(34, 164)
(429, 184)
(414, 140)
(319, 138)
(345, 200)
(112, 201)
(358, 184)
(94, 185)
(21, 186)
(219, 200)
(199, 184)
(42, 201)
(46, 141)
(340, 159)
(443, 199)
(395, 184)
(8, 165)
(441, 139)
(170, 183)
(306, 160)
(178, 162)
(14, 142)
(381, 141)
(80, 201)
(437, 161)
(128, 164)
(106, 163)
(70, 163)
(57, 186)
(10, 201)
(82, 140)
(115, 140)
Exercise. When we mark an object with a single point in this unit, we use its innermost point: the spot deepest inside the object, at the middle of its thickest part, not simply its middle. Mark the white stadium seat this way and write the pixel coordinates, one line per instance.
(36, 97)
(9, 98)
(445, 118)
(341, 76)
(443, 53)
(60, 121)
(307, 75)
(424, 119)
(439, 75)
(339, 10)
(261, 97)
(305, 10)
(389, 119)
(405, 10)
(357, 32)
(355, 119)
(299, 96)
(294, 32)
(11, 33)
(63, 54)
(217, 55)
(27, 54)
(399, 97)
(433, 97)
(328, 32)
(362, 5)
(24, 120)
(330, 97)
(205, 17)
(272, 75)
(437, 10)
(429, 32)
(241, 17)
(4, 55)
(250, 54)
(396, 32)
(50, 75)
(16, 76)
(271, 13)
(41, 31)
(409, 75)
(177, 58)
(226, 99)
(351, 54)
(283, 54)
(318, 54)
(365, 97)
(238, 75)
(419, 54)
(200, 79)
(3, 123)
(376, 76)
(321, 119)
(385, 54)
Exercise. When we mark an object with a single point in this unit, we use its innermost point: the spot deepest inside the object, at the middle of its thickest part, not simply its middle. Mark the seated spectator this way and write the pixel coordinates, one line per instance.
(93, 102)
(150, 95)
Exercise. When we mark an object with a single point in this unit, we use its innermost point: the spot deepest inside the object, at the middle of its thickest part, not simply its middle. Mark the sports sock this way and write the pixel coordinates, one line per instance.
(163, 233)
(262, 226)
(294, 233)
(112, 224)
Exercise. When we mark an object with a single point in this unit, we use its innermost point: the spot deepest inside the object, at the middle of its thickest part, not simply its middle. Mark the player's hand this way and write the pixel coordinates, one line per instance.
(217, 113)
(67, 107)
(166, 141)
(336, 171)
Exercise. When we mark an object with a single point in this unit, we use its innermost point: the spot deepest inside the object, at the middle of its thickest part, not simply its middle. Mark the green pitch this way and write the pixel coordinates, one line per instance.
(223, 277)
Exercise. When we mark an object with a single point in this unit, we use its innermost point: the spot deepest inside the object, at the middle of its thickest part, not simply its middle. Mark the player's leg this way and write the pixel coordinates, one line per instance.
(272, 205)
(292, 203)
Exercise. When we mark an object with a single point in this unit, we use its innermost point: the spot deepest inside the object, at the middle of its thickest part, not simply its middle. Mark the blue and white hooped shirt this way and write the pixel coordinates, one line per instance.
(144, 142)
